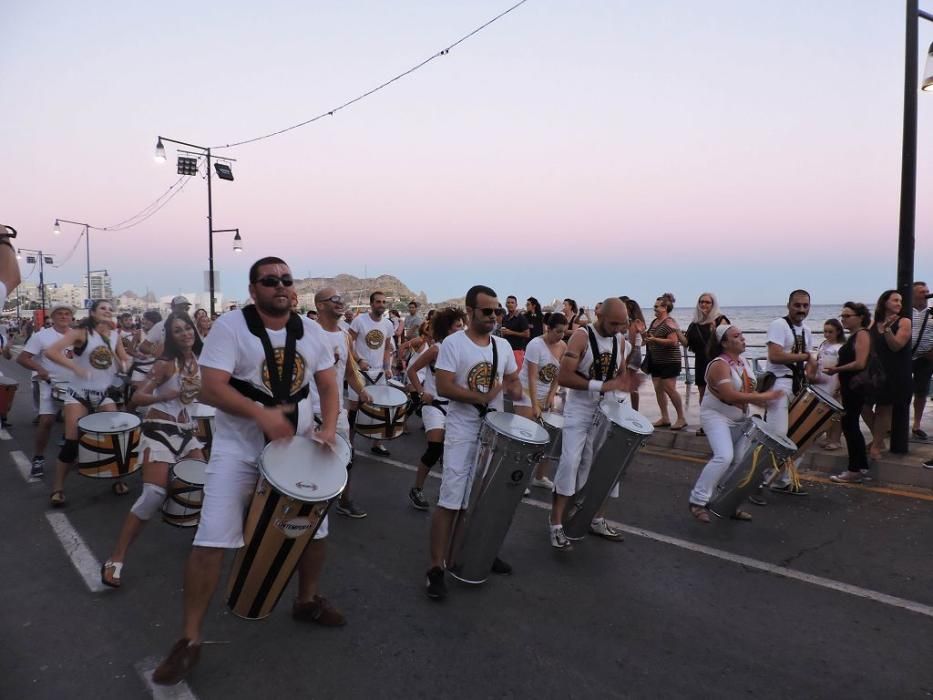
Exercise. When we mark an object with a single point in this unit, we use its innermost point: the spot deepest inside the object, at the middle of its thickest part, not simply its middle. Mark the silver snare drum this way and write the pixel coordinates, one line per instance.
(554, 425)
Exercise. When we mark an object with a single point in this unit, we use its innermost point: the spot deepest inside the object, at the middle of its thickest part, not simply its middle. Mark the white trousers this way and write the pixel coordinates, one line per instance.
(777, 421)
(721, 432)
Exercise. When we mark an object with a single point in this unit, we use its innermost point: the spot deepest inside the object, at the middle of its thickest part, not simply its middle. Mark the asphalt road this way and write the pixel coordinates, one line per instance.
(649, 617)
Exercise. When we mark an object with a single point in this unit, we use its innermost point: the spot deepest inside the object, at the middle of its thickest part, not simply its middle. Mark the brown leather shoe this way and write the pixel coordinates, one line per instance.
(179, 662)
(319, 611)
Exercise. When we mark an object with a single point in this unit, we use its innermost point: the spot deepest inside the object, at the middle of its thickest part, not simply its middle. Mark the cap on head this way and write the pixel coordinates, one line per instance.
(180, 301)
(61, 307)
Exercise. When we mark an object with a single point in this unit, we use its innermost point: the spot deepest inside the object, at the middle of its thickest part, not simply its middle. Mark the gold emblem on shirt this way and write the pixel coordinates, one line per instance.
(375, 339)
(547, 373)
(298, 374)
(604, 359)
(480, 377)
(101, 357)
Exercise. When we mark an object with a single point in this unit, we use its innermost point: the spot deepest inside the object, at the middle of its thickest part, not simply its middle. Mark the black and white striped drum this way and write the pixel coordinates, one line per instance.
(108, 443)
(757, 448)
(203, 417)
(509, 449)
(554, 425)
(619, 432)
(809, 416)
(298, 481)
(182, 505)
(383, 416)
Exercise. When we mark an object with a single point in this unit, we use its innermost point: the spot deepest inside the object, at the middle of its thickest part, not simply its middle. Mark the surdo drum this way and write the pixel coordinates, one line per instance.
(509, 448)
(203, 417)
(619, 432)
(809, 415)
(757, 448)
(383, 417)
(554, 425)
(298, 481)
(182, 505)
(108, 443)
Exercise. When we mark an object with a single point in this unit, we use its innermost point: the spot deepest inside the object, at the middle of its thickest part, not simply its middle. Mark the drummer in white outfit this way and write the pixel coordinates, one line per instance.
(587, 381)
(729, 391)
(372, 351)
(538, 377)
(256, 367)
(330, 310)
(167, 431)
(473, 369)
(97, 356)
(421, 375)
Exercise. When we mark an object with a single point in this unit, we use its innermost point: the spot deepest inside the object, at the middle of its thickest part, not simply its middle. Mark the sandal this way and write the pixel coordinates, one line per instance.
(741, 515)
(700, 513)
(57, 499)
(120, 489)
(115, 568)
(679, 426)
(662, 424)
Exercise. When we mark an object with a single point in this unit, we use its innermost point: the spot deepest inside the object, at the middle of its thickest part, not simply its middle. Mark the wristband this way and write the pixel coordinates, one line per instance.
(596, 385)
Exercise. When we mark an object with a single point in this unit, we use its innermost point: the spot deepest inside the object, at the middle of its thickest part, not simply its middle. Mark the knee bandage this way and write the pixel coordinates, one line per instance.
(351, 418)
(149, 501)
(69, 451)
(434, 452)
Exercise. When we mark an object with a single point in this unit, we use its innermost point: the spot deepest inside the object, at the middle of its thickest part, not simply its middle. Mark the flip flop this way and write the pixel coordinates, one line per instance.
(57, 499)
(741, 515)
(678, 427)
(659, 424)
(114, 580)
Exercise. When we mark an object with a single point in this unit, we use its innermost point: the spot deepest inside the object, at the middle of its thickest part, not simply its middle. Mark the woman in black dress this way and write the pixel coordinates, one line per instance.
(535, 317)
(890, 339)
(663, 340)
(705, 318)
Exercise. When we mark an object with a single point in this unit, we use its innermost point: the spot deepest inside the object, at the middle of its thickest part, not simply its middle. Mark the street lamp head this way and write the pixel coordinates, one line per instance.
(159, 151)
(18, 255)
(58, 229)
(237, 243)
(927, 84)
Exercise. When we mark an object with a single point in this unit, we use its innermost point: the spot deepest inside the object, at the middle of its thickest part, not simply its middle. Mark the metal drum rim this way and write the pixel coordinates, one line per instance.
(288, 491)
(825, 396)
(111, 431)
(512, 418)
(605, 404)
(188, 481)
(382, 388)
(781, 440)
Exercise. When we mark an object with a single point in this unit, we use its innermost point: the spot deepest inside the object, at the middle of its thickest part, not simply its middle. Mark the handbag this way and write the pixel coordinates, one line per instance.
(869, 381)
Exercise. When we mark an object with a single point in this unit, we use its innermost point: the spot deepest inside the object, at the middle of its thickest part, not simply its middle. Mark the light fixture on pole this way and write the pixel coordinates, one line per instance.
(87, 242)
(159, 151)
(37, 256)
(237, 243)
(58, 229)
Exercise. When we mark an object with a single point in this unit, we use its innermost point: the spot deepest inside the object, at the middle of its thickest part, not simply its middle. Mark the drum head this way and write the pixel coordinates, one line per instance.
(826, 398)
(517, 428)
(625, 416)
(386, 396)
(395, 384)
(8, 381)
(201, 410)
(769, 432)
(303, 469)
(555, 420)
(192, 471)
(109, 422)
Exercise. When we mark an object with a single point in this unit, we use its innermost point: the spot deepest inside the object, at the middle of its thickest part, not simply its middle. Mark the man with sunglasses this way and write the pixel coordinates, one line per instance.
(473, 368)
(256, 368)
(372, 350)
(330, 311)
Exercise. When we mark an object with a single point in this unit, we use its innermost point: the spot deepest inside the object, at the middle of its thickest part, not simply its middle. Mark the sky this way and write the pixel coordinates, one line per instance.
(581, 149)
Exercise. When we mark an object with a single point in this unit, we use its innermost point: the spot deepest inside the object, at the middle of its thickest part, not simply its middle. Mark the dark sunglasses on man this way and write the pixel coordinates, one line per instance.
(271, 281)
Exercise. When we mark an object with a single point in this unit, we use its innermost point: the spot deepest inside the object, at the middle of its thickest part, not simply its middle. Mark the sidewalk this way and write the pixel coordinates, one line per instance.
(902, 470)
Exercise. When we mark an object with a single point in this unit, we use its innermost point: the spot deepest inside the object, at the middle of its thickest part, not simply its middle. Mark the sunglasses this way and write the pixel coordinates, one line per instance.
(337, 299)
(271, 281)
(846, 315)
(487, 312)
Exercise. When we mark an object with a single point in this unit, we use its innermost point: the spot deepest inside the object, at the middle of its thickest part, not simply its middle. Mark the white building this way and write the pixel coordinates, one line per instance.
(100, 284)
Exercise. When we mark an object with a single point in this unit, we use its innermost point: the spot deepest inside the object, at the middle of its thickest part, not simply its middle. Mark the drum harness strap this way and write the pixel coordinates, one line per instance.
(484, 408)
(84, 398)
(159, 431)
(798, 374)
(596, 369)
(280, 381)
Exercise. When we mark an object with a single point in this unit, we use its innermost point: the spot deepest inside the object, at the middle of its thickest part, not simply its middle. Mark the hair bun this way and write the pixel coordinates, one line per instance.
(668, 295)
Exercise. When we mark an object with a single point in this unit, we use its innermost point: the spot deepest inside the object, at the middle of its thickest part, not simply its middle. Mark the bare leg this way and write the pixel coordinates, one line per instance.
(153, 473)
(202, 574)
(880, 430)
(310, 567)
(442, 521)
(73, 413)
(558, 504)
(662, 399)
(920, 403)
(42, 434)
(670, 388)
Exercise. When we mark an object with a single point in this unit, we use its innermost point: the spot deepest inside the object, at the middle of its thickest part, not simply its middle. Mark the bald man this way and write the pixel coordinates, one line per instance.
(587, 381)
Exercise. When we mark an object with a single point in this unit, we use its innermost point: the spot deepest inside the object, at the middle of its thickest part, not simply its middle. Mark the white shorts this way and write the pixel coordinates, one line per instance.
(46, 405)
(433, 417)
(457, 476)
(368, 379)
(228, 491)
(90, 395)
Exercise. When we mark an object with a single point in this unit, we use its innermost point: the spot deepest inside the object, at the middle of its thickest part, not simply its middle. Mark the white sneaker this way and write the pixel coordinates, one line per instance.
(543, 482)
(559, 539)
(600, 527)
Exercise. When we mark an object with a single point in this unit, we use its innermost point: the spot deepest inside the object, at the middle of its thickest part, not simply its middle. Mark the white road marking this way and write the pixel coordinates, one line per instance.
(5, 434)
(783, 571)
(161, 692)
(23, 466)
(79, 553)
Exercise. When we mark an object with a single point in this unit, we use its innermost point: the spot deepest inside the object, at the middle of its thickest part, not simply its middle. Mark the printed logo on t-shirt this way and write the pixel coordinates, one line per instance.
(604, 360)
(480, 377)
(547, 373)
(298, 375)
(375, 339)
(101, 357)
(190, 388)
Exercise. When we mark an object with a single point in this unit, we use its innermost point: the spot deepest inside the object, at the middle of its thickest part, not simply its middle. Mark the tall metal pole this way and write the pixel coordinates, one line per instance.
(900, 418)
(87, 243)
(210, 233)
(42, 281)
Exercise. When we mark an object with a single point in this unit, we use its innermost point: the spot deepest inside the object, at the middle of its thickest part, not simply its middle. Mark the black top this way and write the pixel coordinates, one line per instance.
(897, 368)
(517, 323)
(535, 324)
(698, 336)
(847, 355)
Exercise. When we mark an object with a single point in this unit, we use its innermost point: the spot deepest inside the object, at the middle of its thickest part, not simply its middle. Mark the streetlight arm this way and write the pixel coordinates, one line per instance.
(925, 15)
(225, 230)
(77, 223)
(184, 143)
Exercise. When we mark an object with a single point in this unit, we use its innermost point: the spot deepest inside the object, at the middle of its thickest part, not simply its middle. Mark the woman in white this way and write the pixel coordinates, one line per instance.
(168, 430)
(827, 355)
(730, 388)
(538, 377)
(98, 355)
(433, 408)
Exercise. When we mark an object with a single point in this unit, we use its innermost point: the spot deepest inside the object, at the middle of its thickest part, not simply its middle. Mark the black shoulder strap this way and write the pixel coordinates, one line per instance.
(613, 359)
(294, 330)
(484, 408)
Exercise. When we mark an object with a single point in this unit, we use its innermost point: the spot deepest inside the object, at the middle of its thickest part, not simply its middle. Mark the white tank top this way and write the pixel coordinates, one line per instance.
(190, 387)
(713, 403)
(428, 381)
(97, 356)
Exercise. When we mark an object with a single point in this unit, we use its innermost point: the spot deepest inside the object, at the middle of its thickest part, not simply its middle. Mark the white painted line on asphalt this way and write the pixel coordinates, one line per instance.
(161, 692)
(23, 466)
(82, 558)
(756, 564)
(5, 434)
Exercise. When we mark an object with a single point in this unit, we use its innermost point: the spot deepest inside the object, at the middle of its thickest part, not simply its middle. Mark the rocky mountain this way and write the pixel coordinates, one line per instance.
(357, 289)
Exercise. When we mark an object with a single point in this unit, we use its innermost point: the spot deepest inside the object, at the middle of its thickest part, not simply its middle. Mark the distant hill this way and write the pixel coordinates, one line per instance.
(356, 290)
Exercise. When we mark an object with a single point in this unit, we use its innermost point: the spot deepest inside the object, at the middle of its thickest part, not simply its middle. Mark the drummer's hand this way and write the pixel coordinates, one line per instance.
(617, 383)
(43, 375)
(426, 398)
(768, 396)
(274, 424)
(328, 438)
(363, 364)
(365, 397)
(830, 370)
(535, 409)
(489, 396)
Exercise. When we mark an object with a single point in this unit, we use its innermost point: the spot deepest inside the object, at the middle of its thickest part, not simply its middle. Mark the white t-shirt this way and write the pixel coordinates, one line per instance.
(3, 295)
(538, 352)
(828, 356)
(230, 347)
(156, 334)
(36, 346)
(471, 365)
(371, 337)
(337, 342)
(779, 332)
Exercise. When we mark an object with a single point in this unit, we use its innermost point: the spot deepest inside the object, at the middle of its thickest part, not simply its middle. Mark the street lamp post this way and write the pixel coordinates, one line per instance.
(206, 152)
(43, 258)
(87, 241)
